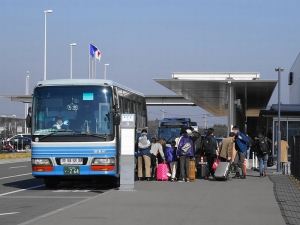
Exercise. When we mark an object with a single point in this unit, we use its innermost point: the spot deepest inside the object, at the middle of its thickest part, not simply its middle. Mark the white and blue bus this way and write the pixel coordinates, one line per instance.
(75, 128)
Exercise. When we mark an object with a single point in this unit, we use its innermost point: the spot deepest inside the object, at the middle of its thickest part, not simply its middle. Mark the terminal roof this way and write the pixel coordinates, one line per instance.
(211, 95)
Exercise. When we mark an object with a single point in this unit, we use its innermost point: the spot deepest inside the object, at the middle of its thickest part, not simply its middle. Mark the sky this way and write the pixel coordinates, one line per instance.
(146, 39)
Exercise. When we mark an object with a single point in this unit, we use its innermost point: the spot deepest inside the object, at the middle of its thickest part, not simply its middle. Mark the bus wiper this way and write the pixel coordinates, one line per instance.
(94, 135)
(55, 132)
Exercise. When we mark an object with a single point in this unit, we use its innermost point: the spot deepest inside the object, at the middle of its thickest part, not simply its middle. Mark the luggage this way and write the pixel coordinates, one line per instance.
(222, 171)
(201, 170)
(270, 162)
(286, 168)
(162, 172)
(192, 172)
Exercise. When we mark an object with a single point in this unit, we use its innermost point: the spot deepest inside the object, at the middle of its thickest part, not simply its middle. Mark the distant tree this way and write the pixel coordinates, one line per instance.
(152, 127)
(220, 130)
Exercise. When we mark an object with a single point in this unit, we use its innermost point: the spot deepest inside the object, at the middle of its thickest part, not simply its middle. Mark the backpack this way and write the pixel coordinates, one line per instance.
(208, 145)
(250, 142)
(263, 145)
(184, 144)
(144, 142)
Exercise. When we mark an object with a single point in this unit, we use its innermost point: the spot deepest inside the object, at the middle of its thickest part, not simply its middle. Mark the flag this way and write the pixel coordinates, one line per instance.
(95, 52)
(98, 54)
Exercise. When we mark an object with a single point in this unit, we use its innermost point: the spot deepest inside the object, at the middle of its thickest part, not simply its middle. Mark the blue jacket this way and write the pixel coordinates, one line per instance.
(182, 141)
(241, 144)
(145, 151)
(170, 154)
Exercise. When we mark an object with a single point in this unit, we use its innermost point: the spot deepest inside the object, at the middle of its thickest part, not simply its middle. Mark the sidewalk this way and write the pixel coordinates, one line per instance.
(236, 202)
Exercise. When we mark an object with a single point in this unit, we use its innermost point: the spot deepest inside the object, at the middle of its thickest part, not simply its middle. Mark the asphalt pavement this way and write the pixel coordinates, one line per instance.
(243, 201)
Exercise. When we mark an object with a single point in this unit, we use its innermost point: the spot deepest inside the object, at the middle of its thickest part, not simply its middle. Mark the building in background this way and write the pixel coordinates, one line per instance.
(11, 125)
(294, 82)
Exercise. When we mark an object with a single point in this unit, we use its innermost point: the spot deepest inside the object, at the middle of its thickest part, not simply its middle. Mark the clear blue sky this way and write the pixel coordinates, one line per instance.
(146, 39)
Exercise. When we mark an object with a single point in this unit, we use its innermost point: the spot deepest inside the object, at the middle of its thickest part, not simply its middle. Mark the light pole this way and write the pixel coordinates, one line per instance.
(26, 92)
(106, 64)
(45, 51)
(71, 45)
(279, 69)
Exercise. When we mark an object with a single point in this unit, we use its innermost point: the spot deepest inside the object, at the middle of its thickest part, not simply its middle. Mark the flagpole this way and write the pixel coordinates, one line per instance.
(95, 67)
(89, 61)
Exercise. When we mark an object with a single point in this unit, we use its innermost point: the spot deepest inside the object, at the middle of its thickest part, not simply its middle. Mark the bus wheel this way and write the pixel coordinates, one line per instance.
(51, 183)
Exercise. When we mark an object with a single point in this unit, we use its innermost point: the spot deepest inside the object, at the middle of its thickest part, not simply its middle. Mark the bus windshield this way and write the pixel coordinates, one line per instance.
(78, 109)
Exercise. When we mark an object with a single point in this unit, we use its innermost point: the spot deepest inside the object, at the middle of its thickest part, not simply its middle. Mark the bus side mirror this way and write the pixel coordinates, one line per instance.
(28, 118)
(117, 119)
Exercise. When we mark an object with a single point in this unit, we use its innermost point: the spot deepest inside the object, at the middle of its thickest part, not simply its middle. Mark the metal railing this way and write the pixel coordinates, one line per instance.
(295, 157)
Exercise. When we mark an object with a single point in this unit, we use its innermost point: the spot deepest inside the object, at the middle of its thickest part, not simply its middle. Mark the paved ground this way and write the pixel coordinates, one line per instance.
(274, 200)
(249, 201)
(288, 198)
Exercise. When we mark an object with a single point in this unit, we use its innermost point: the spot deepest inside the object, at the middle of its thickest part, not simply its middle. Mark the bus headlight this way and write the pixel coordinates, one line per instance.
(41, 162)
(103, 161)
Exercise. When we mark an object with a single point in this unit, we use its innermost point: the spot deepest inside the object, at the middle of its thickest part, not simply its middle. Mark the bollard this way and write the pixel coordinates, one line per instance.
(256, 163)
(245, 166)
(253, 161)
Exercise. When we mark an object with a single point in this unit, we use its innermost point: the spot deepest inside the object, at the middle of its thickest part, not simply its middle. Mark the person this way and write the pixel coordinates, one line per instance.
(249, 145)
(185, 151)
(210, 146)
(241, 147)
(171, 158)
(262, 146)
(161, 154)
(156, 148)
(284, 146)
(226, 148)
(144, 155)
(59, 124)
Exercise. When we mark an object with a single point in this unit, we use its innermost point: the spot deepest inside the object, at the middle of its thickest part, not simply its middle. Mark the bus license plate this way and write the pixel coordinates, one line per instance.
(71, 170)
(68, 161)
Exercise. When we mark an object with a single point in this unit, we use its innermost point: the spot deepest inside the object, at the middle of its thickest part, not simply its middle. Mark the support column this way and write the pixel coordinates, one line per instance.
(231, 107)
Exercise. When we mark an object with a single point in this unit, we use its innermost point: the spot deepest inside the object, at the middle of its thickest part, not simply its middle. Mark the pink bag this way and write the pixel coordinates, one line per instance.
(162, 172)
(216, 163)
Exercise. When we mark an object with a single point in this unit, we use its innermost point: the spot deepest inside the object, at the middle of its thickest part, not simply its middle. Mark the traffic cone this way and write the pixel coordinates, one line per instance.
(245, 166)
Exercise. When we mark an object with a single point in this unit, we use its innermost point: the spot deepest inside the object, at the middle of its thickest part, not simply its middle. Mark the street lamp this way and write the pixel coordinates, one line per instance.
(71, 45)
(26, 92)
(45, 12)
(279, 69)
(106, 64)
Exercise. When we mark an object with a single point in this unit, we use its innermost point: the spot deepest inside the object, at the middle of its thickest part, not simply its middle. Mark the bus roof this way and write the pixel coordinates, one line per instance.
(79, 82)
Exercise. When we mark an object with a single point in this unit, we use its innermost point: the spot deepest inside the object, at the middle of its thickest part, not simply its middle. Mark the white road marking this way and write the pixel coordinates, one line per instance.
(3, 214)
(22, 190)
(15, 167)
(1, 178)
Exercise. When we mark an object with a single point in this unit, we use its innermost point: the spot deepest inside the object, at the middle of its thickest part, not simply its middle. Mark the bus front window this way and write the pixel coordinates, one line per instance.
(79, 109)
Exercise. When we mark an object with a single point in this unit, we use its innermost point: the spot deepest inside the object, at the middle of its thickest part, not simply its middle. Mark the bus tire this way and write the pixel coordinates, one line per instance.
(51, 183)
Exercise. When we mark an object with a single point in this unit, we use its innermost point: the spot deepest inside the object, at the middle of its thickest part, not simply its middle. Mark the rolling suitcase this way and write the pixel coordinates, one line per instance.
(201, 170)
(222, 171)
(192, 171)
(162, 172)
(286, 168)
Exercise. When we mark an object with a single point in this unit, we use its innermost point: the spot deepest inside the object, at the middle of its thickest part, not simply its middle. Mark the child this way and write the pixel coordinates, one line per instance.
(171, 158)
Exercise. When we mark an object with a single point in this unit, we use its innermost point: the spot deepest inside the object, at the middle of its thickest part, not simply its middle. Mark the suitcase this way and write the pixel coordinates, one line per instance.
(286, 168)
(201, 170)
(192, 171)
(162, 172)
(222, 171)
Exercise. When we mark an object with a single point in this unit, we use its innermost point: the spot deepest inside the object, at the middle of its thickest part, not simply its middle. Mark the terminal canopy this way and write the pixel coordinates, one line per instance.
(210, 90)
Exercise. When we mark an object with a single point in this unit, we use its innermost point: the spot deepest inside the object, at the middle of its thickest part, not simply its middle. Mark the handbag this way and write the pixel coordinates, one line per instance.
(216, 163)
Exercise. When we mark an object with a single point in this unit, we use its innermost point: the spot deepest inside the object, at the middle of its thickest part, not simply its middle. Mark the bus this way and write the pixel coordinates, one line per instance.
(169, 128)
(75, 128)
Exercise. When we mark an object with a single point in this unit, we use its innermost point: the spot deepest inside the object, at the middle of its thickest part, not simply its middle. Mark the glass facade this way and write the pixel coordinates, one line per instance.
(288, 127)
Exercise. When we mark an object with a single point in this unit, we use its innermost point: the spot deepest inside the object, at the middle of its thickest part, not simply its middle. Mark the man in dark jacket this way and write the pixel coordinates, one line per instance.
(241, 141)
(210, 146)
